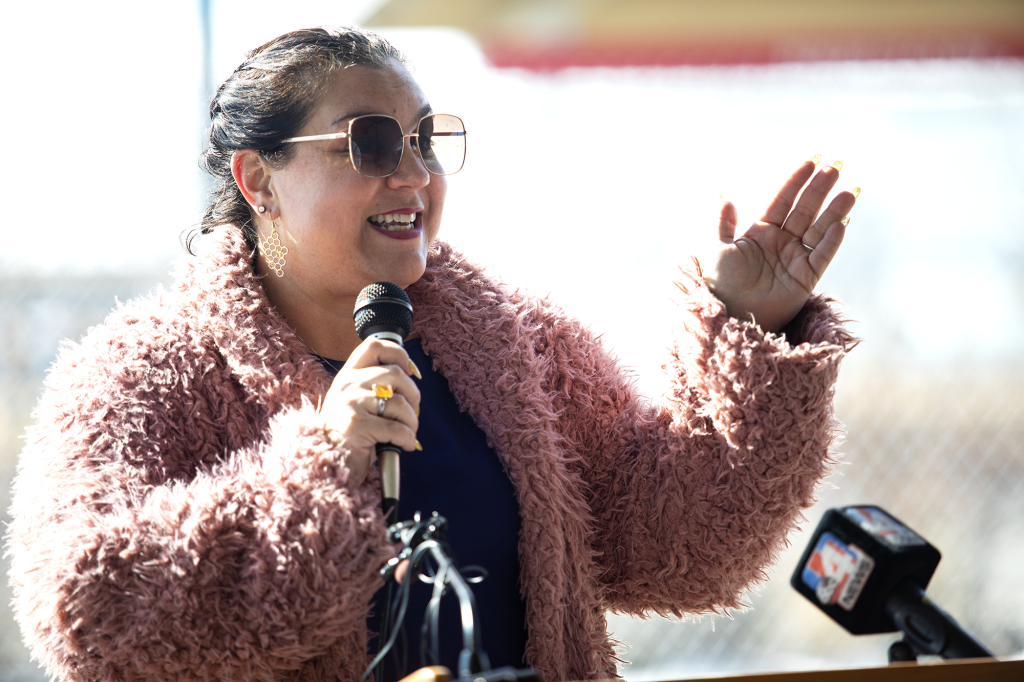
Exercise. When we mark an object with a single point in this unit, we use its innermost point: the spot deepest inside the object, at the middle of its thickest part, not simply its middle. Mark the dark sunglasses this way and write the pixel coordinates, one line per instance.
(376, 143)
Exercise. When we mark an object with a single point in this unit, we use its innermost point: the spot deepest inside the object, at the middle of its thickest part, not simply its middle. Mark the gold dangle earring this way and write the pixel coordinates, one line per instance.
(274, 251)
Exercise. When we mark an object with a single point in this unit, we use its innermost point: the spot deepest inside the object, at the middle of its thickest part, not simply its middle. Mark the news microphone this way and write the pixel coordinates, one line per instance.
(867, 571)
(383, 311)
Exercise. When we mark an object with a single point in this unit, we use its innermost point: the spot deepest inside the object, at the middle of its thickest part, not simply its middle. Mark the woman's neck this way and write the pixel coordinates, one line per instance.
(323, 322)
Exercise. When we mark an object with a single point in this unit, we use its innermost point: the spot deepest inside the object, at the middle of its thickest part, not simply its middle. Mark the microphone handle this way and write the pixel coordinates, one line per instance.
(387, 457)
(390, 474)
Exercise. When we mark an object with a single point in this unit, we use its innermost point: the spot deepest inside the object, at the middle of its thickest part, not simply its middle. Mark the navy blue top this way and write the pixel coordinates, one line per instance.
(459, 476)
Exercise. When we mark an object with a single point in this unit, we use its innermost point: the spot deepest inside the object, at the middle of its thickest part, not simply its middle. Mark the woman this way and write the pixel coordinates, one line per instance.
(196, 498)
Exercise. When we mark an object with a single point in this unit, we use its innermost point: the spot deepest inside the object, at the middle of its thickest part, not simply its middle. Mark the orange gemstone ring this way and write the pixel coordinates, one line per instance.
(382, 393)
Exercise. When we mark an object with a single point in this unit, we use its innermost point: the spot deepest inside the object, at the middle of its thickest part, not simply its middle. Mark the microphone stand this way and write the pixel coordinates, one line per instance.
(927, 629)
(422, 537)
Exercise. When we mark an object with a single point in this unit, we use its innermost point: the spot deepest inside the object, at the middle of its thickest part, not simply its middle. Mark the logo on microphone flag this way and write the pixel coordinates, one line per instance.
(837, 572)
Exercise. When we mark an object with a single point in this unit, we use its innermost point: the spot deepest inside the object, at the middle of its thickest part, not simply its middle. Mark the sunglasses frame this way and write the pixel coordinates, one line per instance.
(415, 147)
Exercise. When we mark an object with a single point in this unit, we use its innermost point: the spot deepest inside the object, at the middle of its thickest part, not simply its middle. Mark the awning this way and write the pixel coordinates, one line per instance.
(553, 34)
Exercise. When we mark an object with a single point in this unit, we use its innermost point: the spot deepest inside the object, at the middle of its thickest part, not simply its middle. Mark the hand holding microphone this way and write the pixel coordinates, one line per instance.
(358, 409)
(383, 312)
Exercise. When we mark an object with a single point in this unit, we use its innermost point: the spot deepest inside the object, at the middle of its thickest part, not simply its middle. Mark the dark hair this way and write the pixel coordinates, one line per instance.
(268, 99)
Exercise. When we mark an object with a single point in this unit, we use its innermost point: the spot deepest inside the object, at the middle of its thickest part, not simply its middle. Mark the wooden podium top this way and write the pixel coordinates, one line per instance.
(967, 670)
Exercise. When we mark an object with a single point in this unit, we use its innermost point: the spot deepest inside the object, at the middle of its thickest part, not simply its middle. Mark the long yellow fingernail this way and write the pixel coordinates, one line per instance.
(856, 192)
(816, 159)
(837, 164)
(845, 221)
(415, 370)
(417, 413)
(418, 446)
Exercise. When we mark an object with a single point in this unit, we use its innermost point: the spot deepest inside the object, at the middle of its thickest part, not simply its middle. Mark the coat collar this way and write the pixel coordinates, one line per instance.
(270, 362)
(489, 342)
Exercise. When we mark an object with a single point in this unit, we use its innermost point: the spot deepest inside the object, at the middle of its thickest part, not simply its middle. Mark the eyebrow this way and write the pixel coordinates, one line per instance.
(424, 110)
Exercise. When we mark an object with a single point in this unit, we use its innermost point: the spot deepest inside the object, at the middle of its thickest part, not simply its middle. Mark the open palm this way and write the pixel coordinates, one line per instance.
(768, 273)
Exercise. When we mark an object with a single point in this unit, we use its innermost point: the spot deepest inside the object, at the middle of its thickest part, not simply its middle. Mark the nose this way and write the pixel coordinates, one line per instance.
(410, 172)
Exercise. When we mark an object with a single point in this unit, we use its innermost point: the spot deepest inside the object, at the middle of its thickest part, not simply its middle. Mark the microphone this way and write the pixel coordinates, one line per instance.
(383, 311)
(867, 571)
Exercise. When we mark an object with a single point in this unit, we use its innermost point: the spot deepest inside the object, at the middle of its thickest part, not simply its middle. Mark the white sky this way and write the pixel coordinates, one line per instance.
(104, 121)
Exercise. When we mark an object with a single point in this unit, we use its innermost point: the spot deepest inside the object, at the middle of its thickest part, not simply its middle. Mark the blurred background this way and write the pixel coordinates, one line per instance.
(601, 135)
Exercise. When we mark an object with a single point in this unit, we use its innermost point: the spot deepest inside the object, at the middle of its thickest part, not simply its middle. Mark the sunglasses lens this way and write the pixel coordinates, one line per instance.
(376, 145)
(442, 143)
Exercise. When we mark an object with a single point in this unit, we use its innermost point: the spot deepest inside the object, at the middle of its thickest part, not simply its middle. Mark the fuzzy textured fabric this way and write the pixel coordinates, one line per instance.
(180, 514)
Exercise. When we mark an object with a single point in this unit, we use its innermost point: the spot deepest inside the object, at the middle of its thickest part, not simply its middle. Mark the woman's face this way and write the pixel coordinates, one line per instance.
(329, 213)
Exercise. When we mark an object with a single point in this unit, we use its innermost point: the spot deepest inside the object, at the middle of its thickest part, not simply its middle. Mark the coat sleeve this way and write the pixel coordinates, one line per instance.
(692, 497)
(143, 550)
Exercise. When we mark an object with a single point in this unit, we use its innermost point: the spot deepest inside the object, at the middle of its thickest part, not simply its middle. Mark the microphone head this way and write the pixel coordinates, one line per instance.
(383, 307)
(856, 558)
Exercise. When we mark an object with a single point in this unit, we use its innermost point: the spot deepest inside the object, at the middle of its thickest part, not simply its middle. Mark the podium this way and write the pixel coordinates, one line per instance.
(962, 670)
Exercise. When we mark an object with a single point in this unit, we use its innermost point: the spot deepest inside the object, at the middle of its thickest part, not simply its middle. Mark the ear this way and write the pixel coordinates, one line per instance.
(252, 174)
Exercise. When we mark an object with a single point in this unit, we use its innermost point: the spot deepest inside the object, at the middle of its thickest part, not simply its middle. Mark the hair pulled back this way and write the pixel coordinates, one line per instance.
(267, 99)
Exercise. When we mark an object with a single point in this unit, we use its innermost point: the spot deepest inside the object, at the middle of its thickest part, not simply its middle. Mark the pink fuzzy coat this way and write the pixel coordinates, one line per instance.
(179, 515)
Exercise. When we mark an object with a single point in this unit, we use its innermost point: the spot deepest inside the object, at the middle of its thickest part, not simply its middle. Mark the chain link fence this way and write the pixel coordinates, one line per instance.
(36, 315)
(942, 448)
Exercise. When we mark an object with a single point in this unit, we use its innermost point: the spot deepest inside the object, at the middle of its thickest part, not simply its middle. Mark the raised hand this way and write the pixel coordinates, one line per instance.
(767, 274)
